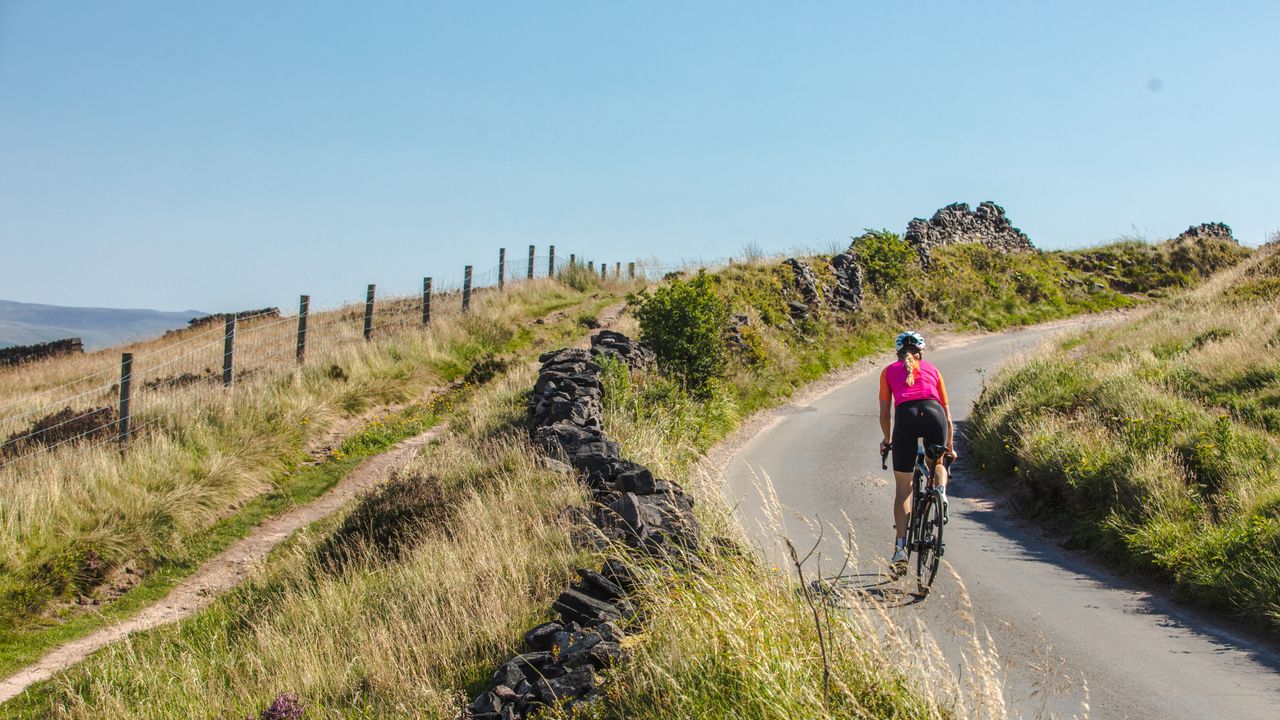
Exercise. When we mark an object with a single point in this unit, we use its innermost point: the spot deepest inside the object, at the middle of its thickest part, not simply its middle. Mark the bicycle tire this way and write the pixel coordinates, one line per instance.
(929, 547)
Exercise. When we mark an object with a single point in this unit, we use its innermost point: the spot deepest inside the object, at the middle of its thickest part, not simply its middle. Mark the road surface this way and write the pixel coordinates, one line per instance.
(1054, 615)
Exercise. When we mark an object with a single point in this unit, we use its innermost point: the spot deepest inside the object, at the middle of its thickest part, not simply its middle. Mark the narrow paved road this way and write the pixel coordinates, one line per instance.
(1055, 617)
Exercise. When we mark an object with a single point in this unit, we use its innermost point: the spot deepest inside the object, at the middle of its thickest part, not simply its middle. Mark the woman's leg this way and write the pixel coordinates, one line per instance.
(902, 502)
(940, 475)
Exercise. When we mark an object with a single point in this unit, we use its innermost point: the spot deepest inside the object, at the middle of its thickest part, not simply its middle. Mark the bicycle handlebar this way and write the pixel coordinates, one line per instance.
(885, 450)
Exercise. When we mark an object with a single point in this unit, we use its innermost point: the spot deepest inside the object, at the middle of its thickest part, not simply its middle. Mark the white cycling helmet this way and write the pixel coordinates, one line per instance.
(910, 337)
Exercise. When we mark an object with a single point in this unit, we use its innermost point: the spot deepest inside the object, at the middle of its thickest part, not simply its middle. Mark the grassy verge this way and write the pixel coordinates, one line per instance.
(1157, 443)
(220, 466)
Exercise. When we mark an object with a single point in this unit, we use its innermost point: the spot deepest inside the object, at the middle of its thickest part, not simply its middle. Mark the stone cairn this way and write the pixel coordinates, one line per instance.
(652, 517)
(956, 223)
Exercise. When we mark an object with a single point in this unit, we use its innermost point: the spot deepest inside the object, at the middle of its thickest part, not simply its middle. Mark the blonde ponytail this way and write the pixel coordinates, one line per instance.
(911, 362)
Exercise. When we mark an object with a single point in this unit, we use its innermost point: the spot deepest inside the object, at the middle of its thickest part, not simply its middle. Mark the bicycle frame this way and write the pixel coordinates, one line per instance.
(924, 494)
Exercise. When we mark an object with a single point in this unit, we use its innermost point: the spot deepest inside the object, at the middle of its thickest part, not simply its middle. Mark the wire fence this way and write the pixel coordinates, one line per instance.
(83, 404)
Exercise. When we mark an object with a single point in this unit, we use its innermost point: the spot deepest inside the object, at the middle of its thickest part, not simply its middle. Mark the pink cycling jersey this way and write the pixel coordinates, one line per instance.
(928, 384)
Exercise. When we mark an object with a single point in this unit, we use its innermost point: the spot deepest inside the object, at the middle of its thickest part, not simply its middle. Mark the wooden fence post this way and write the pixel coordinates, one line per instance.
(126, 383)
(531, 255)
(591, 266)
(617, 271)
(304, 306)
(368, 313)
(551, 262)
(426, 301)
(604, 271)
(502, 267)
(229, 351)
(466, 288)
(573, 259)
(631, 271)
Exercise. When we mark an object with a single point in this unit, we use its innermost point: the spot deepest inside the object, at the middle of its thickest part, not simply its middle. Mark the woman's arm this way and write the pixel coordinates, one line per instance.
(886, 423)
(886, 405)
(951, 428)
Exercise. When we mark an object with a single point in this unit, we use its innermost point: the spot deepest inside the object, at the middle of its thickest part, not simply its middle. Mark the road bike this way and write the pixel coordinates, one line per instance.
(926, 519)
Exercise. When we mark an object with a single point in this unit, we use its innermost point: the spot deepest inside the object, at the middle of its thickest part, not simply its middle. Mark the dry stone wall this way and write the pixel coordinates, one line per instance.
(219, 318)
(651, 517)
(846, 295)
(19, 354)
(809, 287)
(1207, 231)
(956, 223)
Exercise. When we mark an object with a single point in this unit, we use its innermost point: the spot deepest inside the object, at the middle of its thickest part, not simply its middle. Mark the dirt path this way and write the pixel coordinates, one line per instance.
(224, 571)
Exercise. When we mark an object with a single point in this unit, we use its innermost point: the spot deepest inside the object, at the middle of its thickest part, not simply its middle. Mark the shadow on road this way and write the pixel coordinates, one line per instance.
(877, 587)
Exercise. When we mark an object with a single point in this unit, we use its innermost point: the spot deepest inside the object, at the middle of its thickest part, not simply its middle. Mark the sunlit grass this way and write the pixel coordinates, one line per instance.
(1158, 440)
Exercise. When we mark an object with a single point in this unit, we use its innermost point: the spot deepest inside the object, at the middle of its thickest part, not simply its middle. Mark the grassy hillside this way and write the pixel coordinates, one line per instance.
(212, 464)
(1157, 442)
(418, 611)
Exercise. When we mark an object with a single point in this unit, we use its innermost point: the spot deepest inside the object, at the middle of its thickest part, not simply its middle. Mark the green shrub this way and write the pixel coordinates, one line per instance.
(684, 322)
(886, 259)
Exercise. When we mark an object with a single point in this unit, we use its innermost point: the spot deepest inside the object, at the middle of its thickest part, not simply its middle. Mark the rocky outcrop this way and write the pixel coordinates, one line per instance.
(650, 516)
(846, 295)
(1207, 231)
(956, 223)
(19, 354)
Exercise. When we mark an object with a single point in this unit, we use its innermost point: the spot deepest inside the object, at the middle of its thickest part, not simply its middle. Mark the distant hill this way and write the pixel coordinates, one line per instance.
(28, 323)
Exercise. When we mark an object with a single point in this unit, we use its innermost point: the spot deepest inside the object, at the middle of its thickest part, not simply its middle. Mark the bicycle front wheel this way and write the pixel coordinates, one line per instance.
(929, 543)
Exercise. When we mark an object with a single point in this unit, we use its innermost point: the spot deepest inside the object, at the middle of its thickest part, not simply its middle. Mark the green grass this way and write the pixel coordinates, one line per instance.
(1155, 443)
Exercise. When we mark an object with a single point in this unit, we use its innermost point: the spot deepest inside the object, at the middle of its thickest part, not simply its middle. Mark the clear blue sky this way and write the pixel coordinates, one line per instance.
(226, 155)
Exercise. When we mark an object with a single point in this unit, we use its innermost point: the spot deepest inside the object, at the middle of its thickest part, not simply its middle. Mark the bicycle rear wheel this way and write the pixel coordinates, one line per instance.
(929, 542)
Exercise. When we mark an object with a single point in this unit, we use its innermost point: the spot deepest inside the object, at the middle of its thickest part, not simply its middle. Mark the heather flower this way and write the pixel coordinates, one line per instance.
(286, 706)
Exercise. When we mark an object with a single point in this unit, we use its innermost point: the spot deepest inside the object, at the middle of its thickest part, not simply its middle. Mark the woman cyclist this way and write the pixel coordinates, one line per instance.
(915, 388)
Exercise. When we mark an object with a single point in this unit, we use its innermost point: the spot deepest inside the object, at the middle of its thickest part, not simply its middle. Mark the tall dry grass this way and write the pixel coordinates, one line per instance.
(382, 637)
(203, 452)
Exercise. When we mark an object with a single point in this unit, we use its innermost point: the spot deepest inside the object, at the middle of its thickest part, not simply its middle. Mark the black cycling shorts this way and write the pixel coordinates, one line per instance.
(913, 420)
